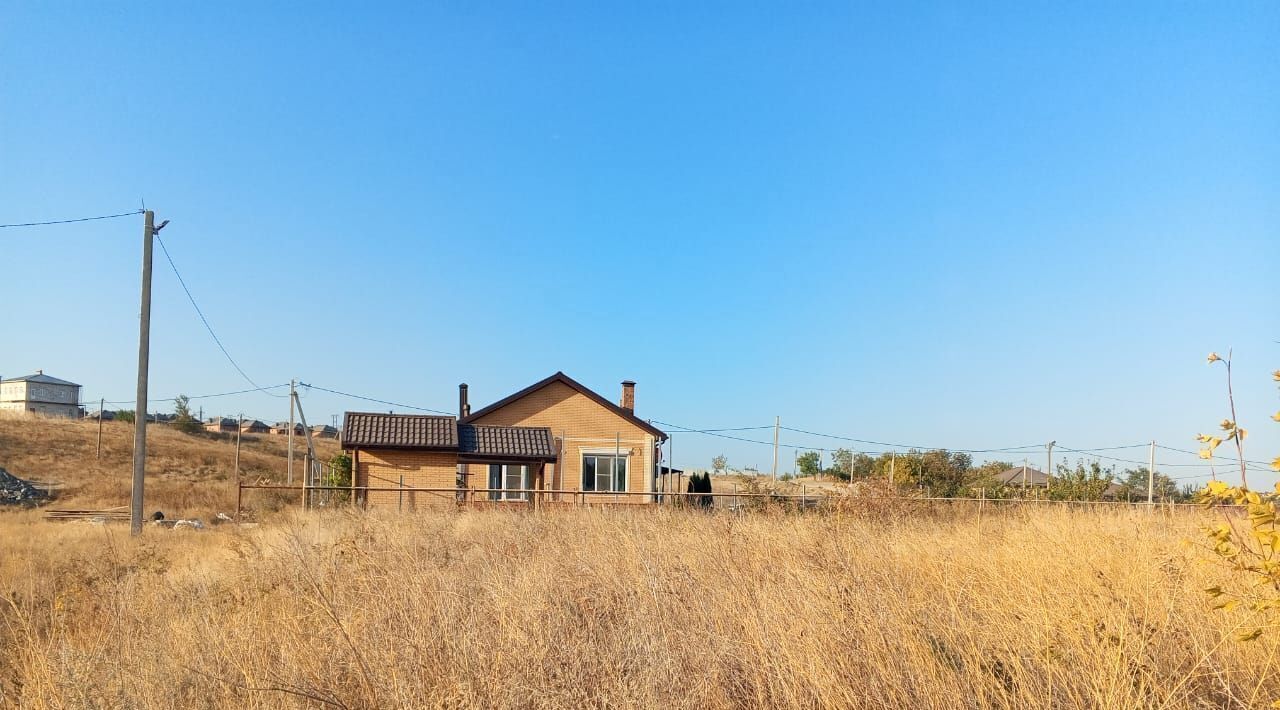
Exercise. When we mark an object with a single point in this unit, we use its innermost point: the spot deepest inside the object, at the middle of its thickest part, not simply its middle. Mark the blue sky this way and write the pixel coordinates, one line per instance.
(962, 225)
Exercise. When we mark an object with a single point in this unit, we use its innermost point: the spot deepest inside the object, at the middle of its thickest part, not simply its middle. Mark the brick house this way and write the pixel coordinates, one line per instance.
(221, 425)
(555, 436)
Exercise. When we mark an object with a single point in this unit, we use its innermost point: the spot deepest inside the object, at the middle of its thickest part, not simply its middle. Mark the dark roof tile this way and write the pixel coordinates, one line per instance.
(418, 431)
(514, 441)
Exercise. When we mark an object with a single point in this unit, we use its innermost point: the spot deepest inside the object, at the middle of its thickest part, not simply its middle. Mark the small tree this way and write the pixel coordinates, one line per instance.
(183, 421)
(1082, 482)
(125, 415)
(339, 474)
(807, 464)
(720, 464)
(841, 464)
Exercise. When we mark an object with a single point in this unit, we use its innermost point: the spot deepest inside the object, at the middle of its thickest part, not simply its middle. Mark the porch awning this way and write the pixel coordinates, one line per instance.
(477, 443)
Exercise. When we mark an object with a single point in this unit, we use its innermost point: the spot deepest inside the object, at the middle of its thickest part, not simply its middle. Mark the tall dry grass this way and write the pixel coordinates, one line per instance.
(635, 608)
(187, 474)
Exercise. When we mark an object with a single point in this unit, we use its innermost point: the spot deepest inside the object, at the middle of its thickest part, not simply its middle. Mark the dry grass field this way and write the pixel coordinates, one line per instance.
(636, 608)
(879, 607)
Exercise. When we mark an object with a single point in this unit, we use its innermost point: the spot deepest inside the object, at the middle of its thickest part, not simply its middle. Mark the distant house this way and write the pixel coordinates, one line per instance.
(282, 429)
(221, 425)
(1019, 476)
(324, 431)
(1022, 476)
(555, 436)
(105, 416)
(41, 394)
(254, 427)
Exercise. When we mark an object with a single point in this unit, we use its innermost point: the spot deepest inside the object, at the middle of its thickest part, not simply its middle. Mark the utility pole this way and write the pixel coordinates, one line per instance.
(1048, 475)
(777, 423)
(1151, 475)
(292, 393)
(101, 403)
(149, 231)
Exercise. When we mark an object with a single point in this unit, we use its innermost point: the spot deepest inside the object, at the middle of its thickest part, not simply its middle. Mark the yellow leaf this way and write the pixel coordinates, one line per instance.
(1213, 357)
(1275, 463)
(1250, 636)
(1227, 425)
(1208, 454)
(1217, 488)
(1275, 417)
(1276, 375)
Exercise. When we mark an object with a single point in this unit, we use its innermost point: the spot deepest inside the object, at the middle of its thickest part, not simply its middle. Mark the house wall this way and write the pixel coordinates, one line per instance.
(40, 398)
(585, 427)
(382, 468)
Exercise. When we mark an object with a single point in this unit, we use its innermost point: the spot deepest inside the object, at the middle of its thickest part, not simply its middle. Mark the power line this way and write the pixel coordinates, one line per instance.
(716, 432)
(69, 221)
(1007, 449)
(201, 396)
(371, 399)
(1196, 453)
(206, 321)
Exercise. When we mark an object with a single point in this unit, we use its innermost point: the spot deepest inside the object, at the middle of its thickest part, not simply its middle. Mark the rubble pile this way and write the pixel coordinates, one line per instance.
(15, 491)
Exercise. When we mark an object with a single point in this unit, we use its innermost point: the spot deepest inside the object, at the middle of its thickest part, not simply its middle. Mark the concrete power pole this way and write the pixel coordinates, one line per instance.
(101, 403)
(292, 392)
(777, 423)
(1151, 475)
(1048, 471)
(149, 230)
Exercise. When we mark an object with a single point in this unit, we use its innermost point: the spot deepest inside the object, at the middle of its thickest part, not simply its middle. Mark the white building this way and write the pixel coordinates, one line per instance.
(40, 394)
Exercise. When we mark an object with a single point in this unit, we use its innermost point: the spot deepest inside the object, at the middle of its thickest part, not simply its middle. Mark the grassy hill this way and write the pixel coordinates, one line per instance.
(187, 474)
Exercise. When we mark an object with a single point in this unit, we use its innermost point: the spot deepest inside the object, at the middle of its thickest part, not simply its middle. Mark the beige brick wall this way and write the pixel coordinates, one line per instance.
(585, 426)
(420, 469)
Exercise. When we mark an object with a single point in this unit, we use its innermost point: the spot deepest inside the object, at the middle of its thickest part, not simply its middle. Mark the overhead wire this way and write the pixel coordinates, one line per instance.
(196, 396)
(69, 221)
(373, 399)
(204, 320)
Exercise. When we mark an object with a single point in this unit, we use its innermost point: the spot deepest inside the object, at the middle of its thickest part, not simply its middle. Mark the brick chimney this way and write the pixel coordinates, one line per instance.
(628, 396)
(464, 408)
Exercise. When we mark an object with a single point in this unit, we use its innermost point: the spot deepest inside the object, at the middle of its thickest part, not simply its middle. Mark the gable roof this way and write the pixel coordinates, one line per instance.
(575, 385)
(418, 431)
(506, 441)
(40, 378)
(1013, 477)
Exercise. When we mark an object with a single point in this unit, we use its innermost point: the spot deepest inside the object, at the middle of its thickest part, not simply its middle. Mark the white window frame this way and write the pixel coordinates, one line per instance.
(502, 492)
(624, 456)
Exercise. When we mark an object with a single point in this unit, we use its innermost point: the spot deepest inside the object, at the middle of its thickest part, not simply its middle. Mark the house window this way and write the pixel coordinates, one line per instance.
(604, 472)
(506, 480)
